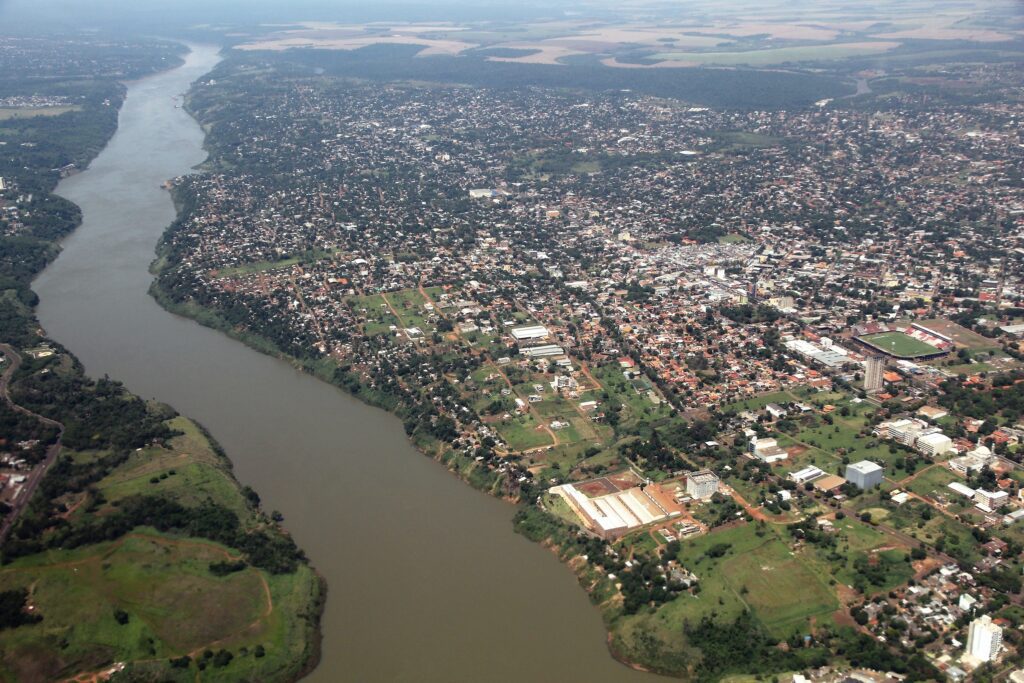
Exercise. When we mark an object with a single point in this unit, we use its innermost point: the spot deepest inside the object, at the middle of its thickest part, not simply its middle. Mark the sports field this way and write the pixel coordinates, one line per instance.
(899, 344)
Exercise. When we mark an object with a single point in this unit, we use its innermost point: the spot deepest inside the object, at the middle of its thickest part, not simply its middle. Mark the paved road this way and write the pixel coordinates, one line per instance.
(32, 483)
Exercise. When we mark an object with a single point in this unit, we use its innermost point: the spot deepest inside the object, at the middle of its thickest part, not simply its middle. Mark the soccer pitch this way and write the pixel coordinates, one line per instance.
(899, 344)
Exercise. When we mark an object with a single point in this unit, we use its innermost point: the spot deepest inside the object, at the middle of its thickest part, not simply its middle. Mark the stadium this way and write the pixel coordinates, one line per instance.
(908, 342)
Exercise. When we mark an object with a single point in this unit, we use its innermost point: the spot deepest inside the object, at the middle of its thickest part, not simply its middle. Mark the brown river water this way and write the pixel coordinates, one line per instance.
(427, 580)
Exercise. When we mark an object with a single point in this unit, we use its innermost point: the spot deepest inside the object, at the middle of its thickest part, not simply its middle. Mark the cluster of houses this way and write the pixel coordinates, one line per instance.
(576, 259)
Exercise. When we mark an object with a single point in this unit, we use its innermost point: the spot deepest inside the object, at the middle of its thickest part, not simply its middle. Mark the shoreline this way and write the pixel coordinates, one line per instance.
(209, 318)
(313, 637)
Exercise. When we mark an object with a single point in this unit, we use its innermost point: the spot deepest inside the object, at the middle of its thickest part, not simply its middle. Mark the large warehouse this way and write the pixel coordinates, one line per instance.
(530, 333)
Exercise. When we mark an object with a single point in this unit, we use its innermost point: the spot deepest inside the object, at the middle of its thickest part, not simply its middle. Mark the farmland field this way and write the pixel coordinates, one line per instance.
(780, 55)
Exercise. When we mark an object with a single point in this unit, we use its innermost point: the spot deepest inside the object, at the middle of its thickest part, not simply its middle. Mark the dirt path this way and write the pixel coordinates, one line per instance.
(758, 513)
(393, 310)
(429, 299)
(586, 373)
(526, 409)
(906, 480)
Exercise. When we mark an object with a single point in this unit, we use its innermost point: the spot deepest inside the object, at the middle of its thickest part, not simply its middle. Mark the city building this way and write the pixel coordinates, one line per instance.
(933, 445)
(874, 366)
(530, 333)
(768, 450)
(702, 484)
(864, 474)
(988, 501)
(984, 639)
(809, 473)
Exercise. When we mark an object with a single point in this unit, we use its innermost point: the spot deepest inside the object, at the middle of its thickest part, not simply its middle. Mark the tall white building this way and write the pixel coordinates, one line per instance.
(984, 639)
(873, 368)
(934, 444)
(865, 474)
(702, 484)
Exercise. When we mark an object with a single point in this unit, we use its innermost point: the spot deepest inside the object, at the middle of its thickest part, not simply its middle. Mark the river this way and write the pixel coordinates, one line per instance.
(427, 581)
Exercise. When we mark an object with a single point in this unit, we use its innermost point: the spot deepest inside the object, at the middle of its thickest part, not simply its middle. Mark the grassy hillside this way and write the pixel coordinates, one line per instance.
(150, 597)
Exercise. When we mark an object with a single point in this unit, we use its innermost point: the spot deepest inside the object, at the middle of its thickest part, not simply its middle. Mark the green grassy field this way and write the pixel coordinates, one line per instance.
(899, 344)
(758, 402)
(379, 317)
(732, 238)
(175, 606)
(169, 601)
(933, 482)
(521, 433)
(189, 471)
(636, 407)
(782, 590)
(7, 113)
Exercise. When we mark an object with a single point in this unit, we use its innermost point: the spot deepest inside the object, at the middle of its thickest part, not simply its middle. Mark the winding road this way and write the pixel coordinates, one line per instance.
(32, 483)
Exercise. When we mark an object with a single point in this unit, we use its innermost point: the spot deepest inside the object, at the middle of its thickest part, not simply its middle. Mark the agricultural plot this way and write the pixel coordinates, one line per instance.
(782, 55)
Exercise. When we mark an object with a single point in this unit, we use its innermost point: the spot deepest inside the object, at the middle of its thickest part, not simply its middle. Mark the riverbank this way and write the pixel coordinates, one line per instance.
(530, 522)
(141, 503)
(462, 467)
(417, 562)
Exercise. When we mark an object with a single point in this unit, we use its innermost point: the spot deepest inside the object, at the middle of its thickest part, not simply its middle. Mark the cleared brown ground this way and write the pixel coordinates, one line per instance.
(980, 35)
(597, 487)
(959, 334)
(624, 480)
(448, 47)
(548, 54)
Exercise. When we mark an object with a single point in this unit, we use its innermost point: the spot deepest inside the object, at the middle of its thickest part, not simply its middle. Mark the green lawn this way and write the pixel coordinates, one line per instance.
(174, 606)
(521, 433)
(781, 589)
(899, 344)
(934, 481)
(189, 471)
